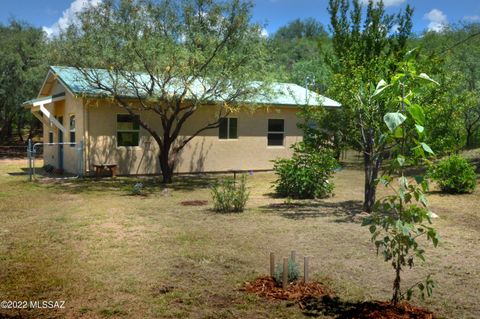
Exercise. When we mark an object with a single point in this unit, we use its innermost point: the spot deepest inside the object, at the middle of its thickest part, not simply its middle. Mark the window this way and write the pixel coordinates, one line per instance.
(276, 132)
(128, 130)
(50, 136)
(72, 130)
(228, 128)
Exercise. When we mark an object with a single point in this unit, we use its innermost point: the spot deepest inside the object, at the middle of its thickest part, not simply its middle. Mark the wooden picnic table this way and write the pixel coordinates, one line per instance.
(100, 168)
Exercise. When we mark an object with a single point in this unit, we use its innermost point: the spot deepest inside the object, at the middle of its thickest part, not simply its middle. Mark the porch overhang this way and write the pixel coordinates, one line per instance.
(38, 109)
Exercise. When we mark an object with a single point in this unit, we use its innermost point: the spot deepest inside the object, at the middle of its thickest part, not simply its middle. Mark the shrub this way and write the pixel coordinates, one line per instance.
(454, 175)
(293, 272)
(137, 189)
(229, 195)
(306, 174)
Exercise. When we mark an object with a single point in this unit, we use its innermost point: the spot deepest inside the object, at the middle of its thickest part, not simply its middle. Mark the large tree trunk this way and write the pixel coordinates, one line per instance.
(469, 137)
(6, 131)
(166, 163)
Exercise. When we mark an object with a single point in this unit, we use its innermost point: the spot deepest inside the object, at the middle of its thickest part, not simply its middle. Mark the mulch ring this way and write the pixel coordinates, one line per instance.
(314, 298)
(194, 203)
(268, 288)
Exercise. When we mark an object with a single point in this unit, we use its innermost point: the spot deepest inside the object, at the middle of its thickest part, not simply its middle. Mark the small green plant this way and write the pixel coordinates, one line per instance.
(229, 195)
(455, 175)
(306, 174)
(293, 272)
(137, 189)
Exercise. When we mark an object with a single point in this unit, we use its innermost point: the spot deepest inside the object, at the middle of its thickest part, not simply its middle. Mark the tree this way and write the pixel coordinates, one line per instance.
(400, 219)
(174, 56)
(454, 56)
(22, 67)
(295, 52)
(366, 48)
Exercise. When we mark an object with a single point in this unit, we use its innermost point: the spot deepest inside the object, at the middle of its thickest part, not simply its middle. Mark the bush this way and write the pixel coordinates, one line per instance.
(454, 175)
(293, 272)
(137, 189)
(229, 195)
(306, 174)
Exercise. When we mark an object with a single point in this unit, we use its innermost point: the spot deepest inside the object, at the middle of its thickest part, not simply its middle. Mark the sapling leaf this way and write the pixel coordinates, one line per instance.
(394, 120)
(426, 77)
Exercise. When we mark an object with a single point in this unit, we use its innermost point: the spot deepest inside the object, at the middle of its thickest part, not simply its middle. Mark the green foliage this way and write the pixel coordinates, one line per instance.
(455, 175)
(229, 195)
(22, 70)
(295, 53)
(137, 189)
(293, 272)
(399, 220)
(306, 174)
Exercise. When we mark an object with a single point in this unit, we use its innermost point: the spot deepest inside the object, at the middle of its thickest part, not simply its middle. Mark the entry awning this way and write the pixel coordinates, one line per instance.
(38, 109)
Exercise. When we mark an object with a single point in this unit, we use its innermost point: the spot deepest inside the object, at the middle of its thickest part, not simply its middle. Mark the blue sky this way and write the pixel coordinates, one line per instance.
(429, 14)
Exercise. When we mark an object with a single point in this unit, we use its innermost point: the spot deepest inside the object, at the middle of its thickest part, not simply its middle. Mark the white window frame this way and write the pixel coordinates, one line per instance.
(127, 131)
(228, 130)
(276, 132)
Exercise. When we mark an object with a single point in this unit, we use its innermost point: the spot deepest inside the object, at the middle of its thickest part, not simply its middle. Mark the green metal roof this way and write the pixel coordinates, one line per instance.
(287, 94)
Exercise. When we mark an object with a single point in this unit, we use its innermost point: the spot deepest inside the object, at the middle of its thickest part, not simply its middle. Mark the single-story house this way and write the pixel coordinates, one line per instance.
(245, 140)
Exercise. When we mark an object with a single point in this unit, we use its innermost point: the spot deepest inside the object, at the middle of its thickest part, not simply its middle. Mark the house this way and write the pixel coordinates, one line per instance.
(100, 132)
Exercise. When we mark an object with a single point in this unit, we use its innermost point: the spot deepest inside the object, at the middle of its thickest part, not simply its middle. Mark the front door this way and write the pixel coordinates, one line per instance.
(60, 145)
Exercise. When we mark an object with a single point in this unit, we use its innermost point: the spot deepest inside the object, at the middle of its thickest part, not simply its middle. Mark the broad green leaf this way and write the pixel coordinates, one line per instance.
(417, 113)
(426, 77)
(401, 160)
(419, 128)
(393, 120)
(382, 85)
(427, 148)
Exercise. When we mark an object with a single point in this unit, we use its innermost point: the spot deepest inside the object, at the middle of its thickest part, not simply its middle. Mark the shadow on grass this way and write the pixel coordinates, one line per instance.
(151, 185)
(329, 306)
(334, 307)
(344, 211)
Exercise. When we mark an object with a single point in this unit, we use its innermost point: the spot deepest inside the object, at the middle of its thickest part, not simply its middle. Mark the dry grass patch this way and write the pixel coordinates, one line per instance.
(111, 255)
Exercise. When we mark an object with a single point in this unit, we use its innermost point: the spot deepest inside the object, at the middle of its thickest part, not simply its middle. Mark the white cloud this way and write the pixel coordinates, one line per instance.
(69, 16)
(438, 20)
(474, 18)
(387, 3)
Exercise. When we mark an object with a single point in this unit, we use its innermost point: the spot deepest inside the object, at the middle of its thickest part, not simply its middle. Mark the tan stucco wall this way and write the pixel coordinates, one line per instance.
(205, 153)
(96, 123)
(70, 106)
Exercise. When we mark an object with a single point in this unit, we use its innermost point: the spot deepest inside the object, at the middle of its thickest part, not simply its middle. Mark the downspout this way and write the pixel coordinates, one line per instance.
(86, 125)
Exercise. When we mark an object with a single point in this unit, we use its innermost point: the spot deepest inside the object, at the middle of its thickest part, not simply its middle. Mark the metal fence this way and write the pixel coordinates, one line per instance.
(35, 150)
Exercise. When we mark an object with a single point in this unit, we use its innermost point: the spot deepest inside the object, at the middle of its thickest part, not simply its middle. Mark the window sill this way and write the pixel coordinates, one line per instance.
(129, 148)
(276, 146)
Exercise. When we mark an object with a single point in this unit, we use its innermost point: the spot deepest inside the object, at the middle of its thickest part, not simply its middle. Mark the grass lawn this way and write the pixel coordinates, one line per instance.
(112, 255)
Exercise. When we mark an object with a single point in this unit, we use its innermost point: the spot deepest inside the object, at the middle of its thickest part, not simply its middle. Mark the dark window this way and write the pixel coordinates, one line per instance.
(276, 132)
(228, 128)
(128, 130)
(72, 130)
(50, 137)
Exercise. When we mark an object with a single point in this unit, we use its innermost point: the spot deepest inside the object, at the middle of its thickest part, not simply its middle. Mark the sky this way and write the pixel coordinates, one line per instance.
(52, 15)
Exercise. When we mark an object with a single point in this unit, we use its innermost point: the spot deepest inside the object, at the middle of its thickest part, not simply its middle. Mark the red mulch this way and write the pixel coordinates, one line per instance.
(194, 202)
(267, 287)
(315, 298)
